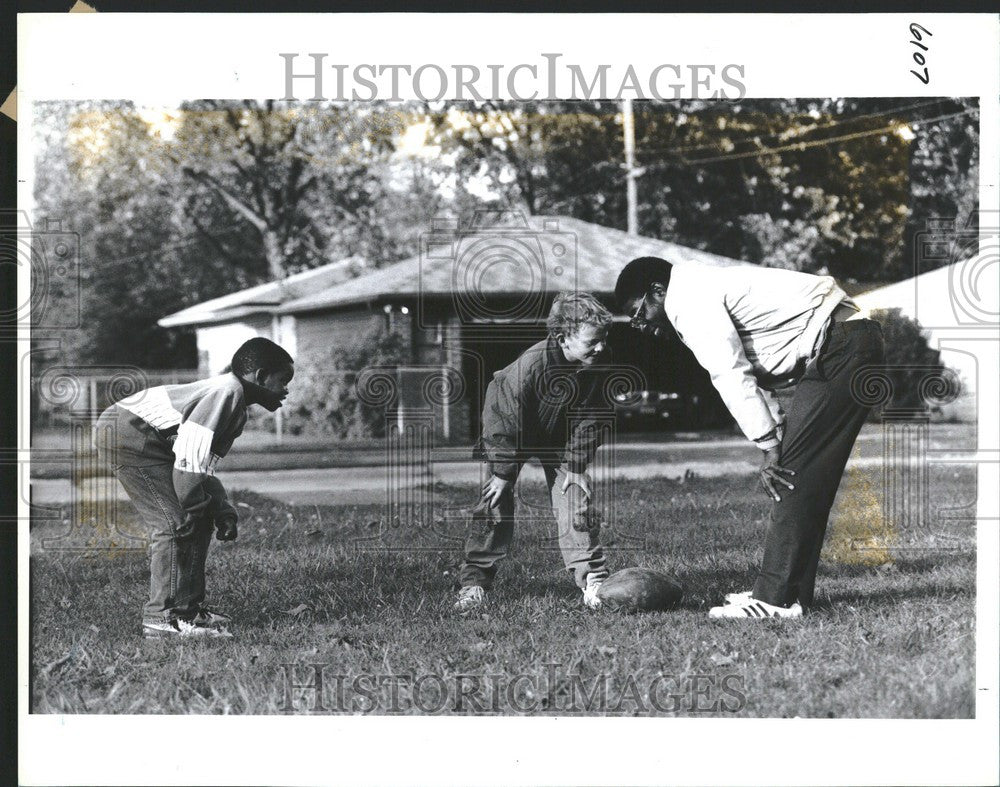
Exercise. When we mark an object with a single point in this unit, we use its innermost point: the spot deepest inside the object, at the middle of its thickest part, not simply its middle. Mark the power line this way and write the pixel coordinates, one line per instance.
(853, 119)
(790, 147)
(818, 142)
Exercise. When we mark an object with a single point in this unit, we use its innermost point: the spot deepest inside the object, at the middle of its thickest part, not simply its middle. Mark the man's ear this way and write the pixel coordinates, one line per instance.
(259, 376)
(658, 290)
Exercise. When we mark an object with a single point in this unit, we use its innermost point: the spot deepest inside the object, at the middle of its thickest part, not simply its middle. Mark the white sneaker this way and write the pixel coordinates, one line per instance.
(156, 629)
(753, 608)
(739, 598)
(470, 598)
(590, 597)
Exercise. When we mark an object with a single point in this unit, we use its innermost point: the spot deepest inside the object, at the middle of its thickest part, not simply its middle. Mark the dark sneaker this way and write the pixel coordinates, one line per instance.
(211, 618)
(157, 629)
(470, 598)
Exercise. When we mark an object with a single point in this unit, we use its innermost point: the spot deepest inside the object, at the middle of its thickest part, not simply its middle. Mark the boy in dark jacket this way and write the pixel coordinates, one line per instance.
(538, 407)
(163, 444)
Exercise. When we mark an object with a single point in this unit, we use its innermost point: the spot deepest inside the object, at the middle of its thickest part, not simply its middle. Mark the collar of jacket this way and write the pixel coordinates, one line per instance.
(258, 394)
(555, 356)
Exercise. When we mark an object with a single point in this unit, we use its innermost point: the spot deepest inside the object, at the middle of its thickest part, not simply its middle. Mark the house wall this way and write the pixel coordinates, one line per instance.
(217, 343)
(318, 334)
(436, 341)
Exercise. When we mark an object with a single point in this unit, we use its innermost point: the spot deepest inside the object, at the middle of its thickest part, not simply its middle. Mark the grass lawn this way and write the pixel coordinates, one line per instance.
(892, 635)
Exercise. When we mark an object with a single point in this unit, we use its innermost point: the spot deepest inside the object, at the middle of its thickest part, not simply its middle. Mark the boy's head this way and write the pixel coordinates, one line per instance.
(579, 324)
(264, 363)
(641, 291)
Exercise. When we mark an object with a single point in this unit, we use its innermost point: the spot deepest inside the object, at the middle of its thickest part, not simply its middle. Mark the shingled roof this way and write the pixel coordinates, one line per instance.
(263, 298)
(529, 254)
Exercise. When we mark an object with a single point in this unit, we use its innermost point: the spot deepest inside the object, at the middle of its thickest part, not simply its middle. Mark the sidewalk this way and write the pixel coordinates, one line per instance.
(51, 458)
(256, 451)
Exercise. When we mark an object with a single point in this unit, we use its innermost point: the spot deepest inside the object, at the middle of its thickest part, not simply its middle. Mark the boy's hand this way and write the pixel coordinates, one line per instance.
(582, 480)
(225, 528)
(494, 489)
(771, 473)
(189, 524)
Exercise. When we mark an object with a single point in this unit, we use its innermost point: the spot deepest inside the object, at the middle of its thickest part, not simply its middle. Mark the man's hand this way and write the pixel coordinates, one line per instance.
(580, 479)
(771, 473)
(225, 528)
(493, 489)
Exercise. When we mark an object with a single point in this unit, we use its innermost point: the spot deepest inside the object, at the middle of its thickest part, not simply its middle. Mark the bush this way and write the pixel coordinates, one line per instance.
(906, 345)
(322, 399)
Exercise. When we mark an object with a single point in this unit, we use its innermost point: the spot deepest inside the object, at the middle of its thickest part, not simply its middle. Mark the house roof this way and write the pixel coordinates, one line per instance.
(532, 254)
(263, 298)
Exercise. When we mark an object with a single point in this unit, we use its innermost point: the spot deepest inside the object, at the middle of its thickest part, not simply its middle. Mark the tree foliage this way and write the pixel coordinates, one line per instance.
(815, 185)
(909, 358)
(324, 399)
(174, 207)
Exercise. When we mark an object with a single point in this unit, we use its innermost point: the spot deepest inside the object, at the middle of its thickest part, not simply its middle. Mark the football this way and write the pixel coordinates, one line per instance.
(640, 590)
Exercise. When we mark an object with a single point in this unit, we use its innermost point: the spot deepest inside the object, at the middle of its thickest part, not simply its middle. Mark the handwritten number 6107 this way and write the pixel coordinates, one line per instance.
(918, 57)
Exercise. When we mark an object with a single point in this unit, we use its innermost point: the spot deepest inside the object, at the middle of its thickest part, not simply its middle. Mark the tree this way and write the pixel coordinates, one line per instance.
(910, 359)
(539, 157)
(98, 172)
(176, 207)
(808, 184)
(304, 179)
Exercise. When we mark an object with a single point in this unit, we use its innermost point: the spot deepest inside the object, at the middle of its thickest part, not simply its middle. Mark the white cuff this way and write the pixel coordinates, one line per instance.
(767, 443)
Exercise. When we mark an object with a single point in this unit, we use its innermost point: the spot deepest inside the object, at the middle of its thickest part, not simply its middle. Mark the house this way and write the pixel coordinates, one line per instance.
(469, 303)
(223, 324)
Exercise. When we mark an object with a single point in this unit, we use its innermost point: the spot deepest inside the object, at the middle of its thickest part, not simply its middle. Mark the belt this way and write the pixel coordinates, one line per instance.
(843, 313)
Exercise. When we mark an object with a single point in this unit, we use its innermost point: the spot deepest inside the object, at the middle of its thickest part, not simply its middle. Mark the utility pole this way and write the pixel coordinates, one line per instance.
(631, 173)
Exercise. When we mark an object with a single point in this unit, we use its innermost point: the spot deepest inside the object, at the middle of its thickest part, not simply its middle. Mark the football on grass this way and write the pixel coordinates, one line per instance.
(640, 590)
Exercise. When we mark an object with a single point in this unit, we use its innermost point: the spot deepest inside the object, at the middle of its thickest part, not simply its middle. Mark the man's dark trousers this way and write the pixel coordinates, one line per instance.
(820, 429)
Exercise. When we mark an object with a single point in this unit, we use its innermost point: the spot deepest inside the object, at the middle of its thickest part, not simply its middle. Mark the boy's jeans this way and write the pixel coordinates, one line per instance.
(490, 536)
(177, 564)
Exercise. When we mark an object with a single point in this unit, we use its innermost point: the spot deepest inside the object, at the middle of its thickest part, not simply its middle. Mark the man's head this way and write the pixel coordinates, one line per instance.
(266, 364)
(579, 324)
(641, 291)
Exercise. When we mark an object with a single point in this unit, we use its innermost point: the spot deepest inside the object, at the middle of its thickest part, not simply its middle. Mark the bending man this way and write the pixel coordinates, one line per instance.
(756, 330)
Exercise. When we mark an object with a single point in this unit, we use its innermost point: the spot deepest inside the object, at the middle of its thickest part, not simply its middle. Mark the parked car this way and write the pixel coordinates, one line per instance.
(647, 409)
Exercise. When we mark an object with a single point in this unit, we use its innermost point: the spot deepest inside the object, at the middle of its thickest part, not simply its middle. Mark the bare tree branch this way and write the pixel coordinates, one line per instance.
(231, 199)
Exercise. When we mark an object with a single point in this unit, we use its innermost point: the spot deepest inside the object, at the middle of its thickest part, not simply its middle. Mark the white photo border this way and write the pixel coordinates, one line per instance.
(167, 58)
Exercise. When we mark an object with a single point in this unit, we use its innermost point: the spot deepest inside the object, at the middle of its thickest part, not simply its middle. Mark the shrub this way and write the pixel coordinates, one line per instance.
(322, 399)
(906, 345)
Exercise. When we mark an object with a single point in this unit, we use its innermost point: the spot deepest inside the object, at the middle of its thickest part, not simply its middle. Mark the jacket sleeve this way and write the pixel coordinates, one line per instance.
(219, 507)
(587, 431)
(194, 461)
(504, 411)
(705, 326)
(777, 412)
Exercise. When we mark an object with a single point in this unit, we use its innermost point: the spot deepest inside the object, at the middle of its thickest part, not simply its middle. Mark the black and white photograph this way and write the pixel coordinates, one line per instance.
(541, 391)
